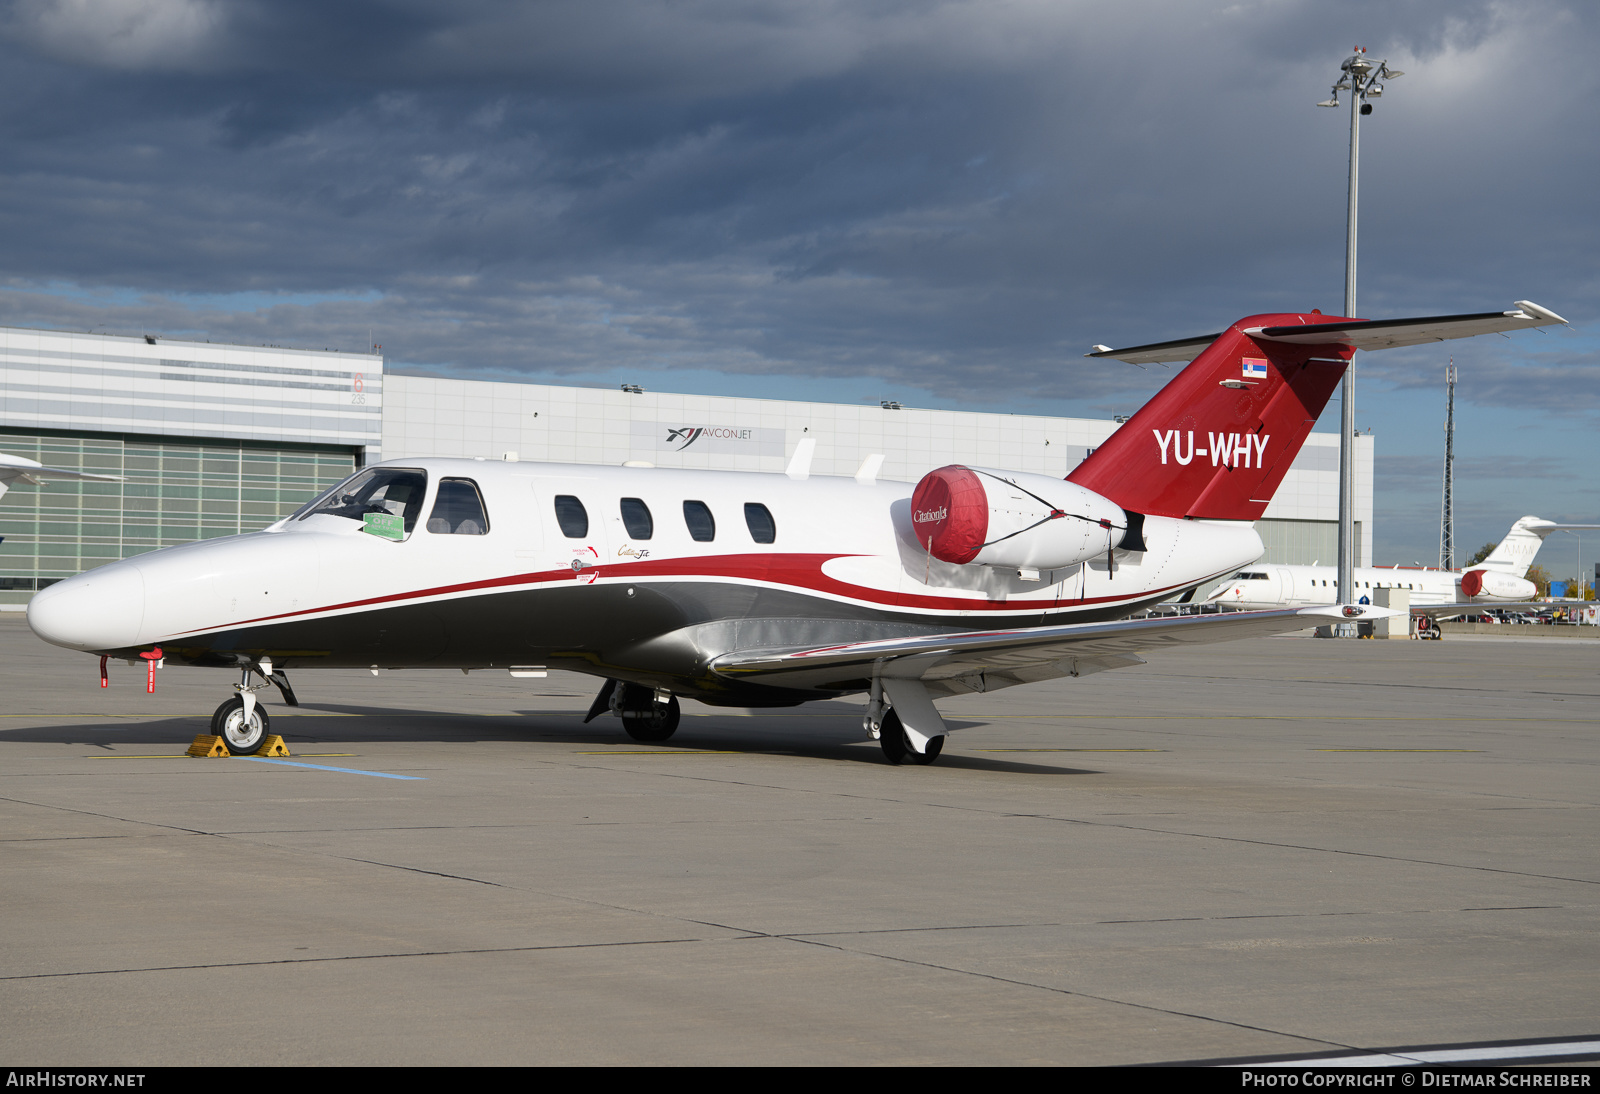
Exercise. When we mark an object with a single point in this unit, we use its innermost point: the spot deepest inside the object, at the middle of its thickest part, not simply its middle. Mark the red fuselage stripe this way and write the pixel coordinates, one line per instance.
(802, 572)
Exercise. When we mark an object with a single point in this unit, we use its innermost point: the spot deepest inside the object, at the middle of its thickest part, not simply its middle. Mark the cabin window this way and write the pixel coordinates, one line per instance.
(636, 518)
(458, 510)
(758, 518)
(702, 526)
(379, 491)
(572, 516)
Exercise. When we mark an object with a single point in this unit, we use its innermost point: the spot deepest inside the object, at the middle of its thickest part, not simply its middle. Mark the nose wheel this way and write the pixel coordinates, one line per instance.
(244, 734)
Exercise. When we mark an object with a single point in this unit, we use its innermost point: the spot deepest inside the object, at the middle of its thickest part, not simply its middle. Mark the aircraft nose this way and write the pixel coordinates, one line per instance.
(100, 610)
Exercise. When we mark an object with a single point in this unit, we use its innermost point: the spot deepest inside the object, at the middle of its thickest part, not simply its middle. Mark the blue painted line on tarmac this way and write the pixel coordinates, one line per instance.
(325, 767)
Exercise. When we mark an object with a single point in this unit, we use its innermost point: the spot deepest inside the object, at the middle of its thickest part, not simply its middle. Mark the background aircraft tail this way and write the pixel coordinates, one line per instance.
(1219, 438)
(1515, 553)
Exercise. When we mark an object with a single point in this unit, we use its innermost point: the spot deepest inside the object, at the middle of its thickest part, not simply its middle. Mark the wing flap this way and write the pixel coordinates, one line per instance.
(1069, 649)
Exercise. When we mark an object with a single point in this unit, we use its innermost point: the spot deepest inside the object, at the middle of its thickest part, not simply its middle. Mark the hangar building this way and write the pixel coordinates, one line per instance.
(215, 439)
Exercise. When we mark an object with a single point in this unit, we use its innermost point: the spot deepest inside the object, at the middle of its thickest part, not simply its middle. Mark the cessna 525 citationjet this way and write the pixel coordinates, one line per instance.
(763, 590)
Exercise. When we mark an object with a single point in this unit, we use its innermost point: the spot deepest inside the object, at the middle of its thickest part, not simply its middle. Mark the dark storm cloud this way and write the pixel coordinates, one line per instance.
(956, 197)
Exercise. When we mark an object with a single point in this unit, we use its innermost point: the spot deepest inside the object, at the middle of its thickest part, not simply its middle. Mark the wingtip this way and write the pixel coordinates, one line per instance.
(1534, 311)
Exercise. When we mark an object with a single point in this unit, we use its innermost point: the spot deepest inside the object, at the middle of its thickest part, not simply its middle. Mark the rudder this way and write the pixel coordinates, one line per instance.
(1216, 442)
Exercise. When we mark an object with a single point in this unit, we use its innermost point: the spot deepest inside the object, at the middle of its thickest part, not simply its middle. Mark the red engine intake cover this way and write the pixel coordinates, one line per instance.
(950, 513)
(1472, 583)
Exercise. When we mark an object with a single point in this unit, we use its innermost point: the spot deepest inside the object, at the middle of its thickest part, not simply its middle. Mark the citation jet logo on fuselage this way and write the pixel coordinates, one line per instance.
(922, 516)
(1225, 449)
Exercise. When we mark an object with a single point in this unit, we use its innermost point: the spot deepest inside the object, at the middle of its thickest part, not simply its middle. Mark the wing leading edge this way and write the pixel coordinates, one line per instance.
(975, 661)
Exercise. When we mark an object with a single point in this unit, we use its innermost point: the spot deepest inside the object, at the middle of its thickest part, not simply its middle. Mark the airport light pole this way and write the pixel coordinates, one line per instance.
(1364, 80)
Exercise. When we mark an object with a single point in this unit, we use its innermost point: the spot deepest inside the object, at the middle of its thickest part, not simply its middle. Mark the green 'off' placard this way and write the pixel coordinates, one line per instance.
(386, 525)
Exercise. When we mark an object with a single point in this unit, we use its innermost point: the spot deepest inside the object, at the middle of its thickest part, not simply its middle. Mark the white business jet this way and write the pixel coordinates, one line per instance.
(1498, 578)
(763, 590)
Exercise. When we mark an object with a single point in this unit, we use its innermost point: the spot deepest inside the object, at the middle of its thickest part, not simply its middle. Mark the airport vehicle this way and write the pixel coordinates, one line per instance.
(1499, 577)
(762, 590)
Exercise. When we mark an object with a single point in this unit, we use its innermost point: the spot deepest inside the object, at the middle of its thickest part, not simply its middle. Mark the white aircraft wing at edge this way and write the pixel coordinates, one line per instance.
(1006, 657)
(18, 469)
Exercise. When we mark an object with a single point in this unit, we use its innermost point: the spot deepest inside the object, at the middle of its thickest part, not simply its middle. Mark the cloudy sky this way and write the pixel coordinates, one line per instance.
(943, 203)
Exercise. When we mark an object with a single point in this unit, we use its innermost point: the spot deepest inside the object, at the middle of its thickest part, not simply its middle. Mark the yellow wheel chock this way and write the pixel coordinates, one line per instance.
(206, 745)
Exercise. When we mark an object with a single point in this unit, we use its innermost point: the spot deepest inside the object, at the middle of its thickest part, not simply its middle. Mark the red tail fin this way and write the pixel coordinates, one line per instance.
(1218, 439)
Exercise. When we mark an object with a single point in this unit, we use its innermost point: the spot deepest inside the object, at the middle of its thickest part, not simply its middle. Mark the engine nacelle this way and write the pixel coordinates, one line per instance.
(1492, 583)
(1006, 518)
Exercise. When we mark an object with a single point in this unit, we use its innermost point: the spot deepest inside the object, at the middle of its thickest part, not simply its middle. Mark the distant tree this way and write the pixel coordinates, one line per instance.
(1540, 577)
(1483, 552)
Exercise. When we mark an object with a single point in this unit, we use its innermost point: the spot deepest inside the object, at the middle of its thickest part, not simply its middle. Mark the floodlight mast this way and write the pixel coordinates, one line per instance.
(1363, 79)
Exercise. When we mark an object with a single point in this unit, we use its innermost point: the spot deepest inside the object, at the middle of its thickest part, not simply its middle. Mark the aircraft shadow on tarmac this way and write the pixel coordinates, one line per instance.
(352, 726)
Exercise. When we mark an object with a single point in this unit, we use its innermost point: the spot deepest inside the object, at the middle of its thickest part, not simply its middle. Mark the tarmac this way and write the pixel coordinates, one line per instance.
(1260, 848)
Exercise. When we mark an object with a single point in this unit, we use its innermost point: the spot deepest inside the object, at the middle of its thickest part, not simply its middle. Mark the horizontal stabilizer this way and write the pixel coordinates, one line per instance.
(1392, 333)
(1367, 334)
(1156, 353)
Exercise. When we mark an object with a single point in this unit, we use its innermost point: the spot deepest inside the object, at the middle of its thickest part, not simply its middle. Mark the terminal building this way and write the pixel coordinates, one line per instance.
(213, 439)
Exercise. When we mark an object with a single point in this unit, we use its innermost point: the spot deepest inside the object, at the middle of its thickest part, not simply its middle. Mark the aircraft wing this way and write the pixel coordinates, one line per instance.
(1481, 607)
(16, 469)
(949, 664)
(1363, 334)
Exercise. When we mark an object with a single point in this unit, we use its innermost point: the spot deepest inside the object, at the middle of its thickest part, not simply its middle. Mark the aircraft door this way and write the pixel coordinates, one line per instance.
(527, 512)
(1286, 585)
(578, 519)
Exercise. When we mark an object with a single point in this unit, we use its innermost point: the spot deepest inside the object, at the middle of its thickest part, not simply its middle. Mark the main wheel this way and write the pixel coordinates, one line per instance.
(242, 738)
(646, 720)
(897, 748)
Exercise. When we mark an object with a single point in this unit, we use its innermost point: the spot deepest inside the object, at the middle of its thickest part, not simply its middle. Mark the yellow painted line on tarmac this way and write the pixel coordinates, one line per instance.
(1399, 750)
(1069, 750)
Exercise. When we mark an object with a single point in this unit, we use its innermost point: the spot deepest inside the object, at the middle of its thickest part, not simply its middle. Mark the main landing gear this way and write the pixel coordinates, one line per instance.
(648, 714)
(897, 747)
(242, 722)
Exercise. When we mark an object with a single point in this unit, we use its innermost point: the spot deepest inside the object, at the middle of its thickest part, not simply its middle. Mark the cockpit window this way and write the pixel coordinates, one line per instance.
(379, 491)
(458, 510)
(572, 516)
(1249, 575)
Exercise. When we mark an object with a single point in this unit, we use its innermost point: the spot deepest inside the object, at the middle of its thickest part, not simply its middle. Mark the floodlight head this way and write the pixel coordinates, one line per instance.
(1358, 65)
(1375, 91)
(1391, 73)
(1331, 102)
(1342, 85)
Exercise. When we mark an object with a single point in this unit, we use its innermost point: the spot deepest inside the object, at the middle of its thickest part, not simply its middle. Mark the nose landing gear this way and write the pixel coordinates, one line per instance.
(241, 722)
(244, 733)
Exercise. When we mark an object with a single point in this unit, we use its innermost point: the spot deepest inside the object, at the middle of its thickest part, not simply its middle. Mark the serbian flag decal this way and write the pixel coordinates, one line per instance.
(1255, 368)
